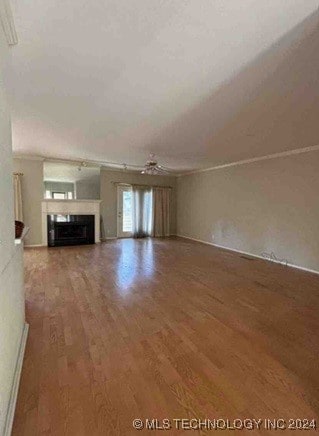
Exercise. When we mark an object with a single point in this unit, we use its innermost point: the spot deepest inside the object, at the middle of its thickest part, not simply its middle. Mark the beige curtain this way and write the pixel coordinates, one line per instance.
(141, 211)
(161, 212)
(18, 215)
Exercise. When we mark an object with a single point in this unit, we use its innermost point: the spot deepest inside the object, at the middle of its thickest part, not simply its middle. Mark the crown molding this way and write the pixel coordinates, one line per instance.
(120, 170)
(7, 21)
(254, 159)
(107, 169)
(65, 160)
(104, 166)
(112, 166)
(26, 156)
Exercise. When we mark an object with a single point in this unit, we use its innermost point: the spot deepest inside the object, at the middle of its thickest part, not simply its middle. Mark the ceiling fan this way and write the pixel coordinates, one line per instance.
(153, 168)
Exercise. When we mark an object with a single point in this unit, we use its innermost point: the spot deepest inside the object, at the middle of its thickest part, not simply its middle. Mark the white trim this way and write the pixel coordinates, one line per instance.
(7, 21)
(249, 254)
(103, 165)
(16, 246)
(193, 239)
(71, 207)
(34, 245)
(67, 200)
(121, 170)
(16, 382)
(255, 159)
(106, 166)
(119, 208)
(28, 156)
(130, 168)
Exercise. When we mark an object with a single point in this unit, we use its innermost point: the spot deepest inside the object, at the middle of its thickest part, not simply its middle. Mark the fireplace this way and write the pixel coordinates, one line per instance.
(70, 230)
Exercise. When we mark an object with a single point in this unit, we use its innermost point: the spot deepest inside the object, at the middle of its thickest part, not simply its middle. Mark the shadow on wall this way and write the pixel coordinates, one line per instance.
(270, 106)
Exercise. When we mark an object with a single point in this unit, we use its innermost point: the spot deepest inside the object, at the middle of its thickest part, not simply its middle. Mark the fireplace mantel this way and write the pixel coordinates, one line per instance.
(70, 207)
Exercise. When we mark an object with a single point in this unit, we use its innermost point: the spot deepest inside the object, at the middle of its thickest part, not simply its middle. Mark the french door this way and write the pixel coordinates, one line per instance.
(124, 212)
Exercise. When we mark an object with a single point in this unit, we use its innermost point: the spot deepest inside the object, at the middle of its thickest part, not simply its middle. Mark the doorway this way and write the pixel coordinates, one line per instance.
(124, 212)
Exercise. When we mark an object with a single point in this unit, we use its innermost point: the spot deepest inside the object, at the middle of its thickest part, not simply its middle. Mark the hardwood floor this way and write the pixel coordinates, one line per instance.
(164, 329)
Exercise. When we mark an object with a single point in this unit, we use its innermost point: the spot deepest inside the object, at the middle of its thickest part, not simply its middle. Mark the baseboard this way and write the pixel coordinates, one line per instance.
(16, 382)
(110, 238)
(249, 254)
(34, 245)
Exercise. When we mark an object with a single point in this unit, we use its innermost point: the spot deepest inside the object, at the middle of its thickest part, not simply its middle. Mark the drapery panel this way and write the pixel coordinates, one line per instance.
(18, 213)
(161, 212)
(141, 211)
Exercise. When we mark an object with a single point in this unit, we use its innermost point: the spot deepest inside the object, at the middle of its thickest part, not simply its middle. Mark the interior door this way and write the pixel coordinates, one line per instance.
(124, 212)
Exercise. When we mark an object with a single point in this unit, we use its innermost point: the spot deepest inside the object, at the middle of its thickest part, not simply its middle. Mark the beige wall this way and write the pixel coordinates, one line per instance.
(109, 196)
(88, 189)
(6, 187)
(32, 196)
(11, 266)
(270, 205)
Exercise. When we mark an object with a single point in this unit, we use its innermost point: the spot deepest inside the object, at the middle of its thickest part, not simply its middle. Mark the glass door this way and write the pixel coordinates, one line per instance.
(124, 212)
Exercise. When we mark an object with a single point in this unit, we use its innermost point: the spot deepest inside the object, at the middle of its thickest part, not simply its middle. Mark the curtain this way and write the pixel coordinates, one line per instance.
(142, 211)
(161, 212)
(18, 214)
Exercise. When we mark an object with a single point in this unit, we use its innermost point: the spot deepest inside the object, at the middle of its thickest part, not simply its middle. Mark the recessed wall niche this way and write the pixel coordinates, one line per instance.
(68, 181)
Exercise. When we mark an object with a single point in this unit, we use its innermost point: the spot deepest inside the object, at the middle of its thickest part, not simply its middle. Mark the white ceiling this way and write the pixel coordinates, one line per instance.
(200, 83)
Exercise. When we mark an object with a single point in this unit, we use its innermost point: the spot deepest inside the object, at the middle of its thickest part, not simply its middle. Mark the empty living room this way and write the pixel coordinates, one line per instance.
(159, 217)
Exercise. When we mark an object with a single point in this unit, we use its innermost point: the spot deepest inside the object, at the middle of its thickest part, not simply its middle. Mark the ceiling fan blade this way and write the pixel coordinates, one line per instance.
(165, 170)
(152, 168)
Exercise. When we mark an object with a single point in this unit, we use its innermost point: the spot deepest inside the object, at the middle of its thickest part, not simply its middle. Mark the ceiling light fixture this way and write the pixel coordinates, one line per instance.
(153, 168)
(82, 164)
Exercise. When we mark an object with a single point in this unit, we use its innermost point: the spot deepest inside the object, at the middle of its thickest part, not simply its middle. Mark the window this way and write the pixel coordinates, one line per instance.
(127, 211)
(59, 195)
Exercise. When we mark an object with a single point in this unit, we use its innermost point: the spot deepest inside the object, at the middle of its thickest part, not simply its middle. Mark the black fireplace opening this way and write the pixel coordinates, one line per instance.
(70, 230)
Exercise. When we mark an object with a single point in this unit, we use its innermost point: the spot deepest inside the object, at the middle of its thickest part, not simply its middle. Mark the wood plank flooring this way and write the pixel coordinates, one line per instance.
(164, 329)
